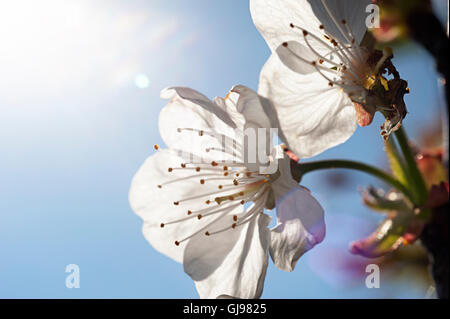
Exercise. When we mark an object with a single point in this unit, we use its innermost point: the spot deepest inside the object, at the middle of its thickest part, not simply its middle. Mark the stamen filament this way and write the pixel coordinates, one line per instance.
(335, 21)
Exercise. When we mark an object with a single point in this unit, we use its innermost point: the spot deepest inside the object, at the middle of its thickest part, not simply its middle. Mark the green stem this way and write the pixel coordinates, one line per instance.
(419, 187)
(300, 169)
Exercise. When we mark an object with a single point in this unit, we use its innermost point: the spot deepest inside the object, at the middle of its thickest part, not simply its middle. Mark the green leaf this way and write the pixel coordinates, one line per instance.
(416, 183)
(380, 201)
(398, 166)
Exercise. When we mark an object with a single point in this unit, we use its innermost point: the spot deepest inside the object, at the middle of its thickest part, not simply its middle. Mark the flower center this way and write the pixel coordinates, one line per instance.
(340, 60)
(342, 64)
(228, 185)
(356, 71)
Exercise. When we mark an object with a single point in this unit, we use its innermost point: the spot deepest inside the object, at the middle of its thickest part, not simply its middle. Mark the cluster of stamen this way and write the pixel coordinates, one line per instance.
(358, 72)
(341, 63)
(236, 186)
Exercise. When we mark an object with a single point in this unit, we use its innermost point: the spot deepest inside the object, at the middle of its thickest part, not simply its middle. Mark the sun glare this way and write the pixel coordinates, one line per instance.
(52, 46)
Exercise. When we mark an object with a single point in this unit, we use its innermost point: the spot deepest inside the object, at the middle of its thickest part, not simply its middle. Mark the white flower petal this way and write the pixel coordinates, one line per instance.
(199, 99)
(229, 105)
(255, 117)
(185, 116)
(300, 226)
(295, 55)
(189, 109)
(273, 18)
(230, 263)
(249, 104)
(226, 297)
(313, 116)
(354, 12)
(156, 205)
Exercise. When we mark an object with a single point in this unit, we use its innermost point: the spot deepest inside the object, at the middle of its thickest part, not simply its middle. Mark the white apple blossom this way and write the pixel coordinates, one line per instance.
(319, 77)
(208, 214)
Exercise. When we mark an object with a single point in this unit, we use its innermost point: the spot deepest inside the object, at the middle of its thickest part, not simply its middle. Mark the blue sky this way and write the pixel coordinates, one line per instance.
(75, 127)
